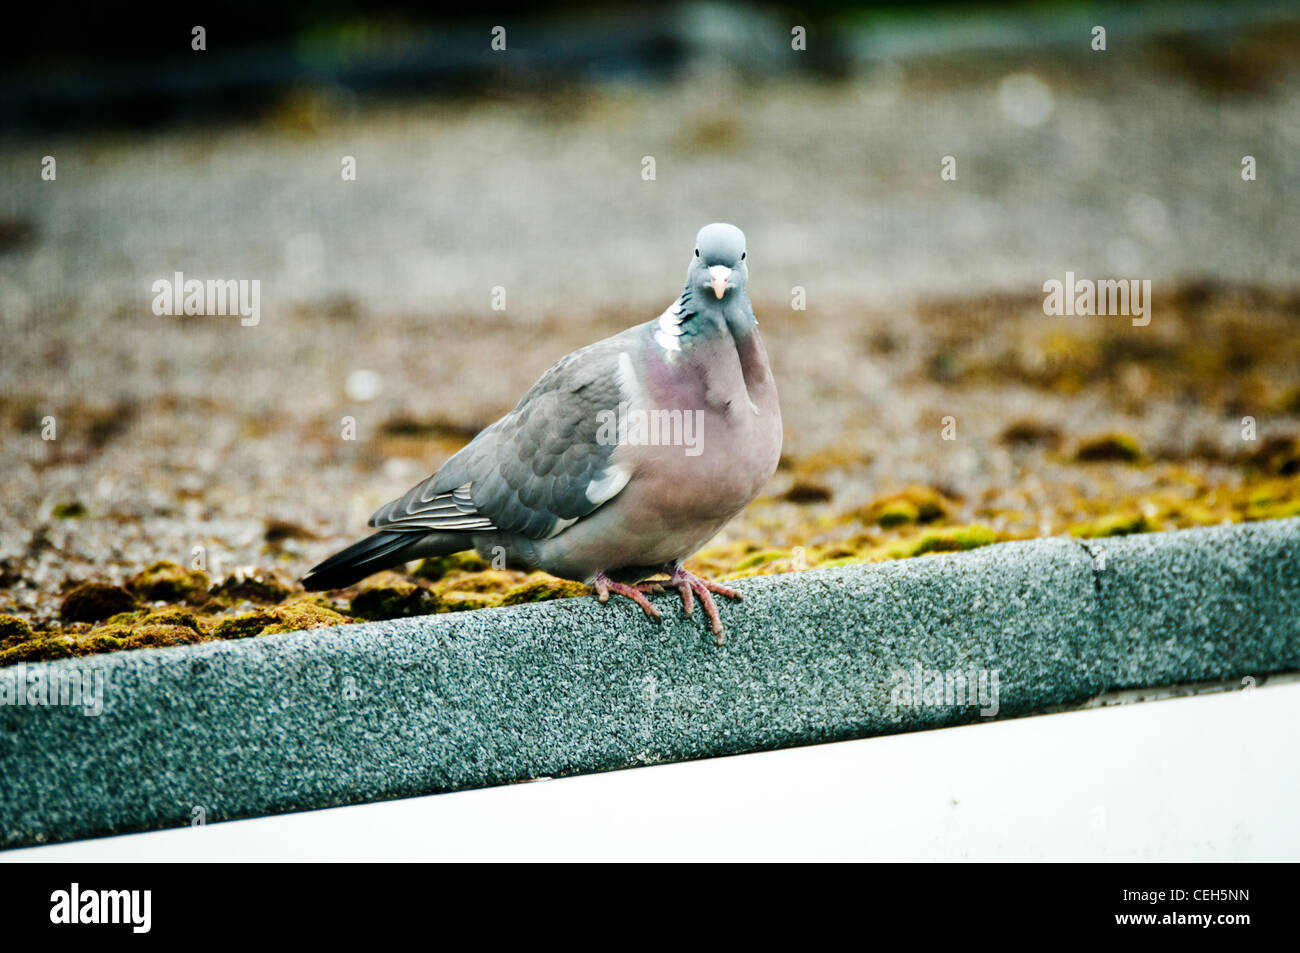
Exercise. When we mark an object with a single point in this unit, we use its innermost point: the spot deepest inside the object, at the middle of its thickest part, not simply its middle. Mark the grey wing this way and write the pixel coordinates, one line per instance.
(535, 471)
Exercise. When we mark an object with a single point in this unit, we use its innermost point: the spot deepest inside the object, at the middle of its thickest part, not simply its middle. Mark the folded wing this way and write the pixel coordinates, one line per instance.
(538, 469)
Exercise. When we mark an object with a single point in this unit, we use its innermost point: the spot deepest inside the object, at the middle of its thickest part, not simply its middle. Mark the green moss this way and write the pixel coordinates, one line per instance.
(389, 596)
(455, 600)
(13, 631)
(1116, 524)
(1111, 446)
(304, 614)
(242, 626)
(68, 511)
(167, 582)
(125, 618)
(113, 631)
(759, 558)
(96, 642)
(125, 625)
(290, 617)
(489, 580)
(437, 567)
(159, 636)
(93, 601)
(1192, 514)
(915, 504)
(257, 585)
(539, 587)
(1266, 506)
(41, 650)
(956, 540)
(173, 615)
(896, 513)
(841, 561)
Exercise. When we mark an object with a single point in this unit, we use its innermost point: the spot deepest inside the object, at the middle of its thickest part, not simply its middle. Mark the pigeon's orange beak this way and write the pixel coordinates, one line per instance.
(718, 277)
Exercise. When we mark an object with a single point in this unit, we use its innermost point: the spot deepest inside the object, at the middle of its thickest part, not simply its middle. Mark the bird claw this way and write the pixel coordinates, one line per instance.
(687, 584)
(691, 585)
(604, 586)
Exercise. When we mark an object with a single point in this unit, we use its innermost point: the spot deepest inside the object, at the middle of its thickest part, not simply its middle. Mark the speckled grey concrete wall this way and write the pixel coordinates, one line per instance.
(381, 710)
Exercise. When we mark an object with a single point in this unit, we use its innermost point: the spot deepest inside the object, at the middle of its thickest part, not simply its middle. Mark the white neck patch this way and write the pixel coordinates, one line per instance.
(670, 328)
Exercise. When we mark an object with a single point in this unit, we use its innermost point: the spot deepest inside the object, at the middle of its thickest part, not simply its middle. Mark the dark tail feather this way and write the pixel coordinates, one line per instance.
(377, 551)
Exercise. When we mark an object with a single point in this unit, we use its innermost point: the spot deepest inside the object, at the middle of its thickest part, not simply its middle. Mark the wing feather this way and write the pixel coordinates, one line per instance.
(538, 469)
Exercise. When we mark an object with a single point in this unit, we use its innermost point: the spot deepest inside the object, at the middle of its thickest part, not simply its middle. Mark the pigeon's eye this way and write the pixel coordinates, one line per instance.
(697, 253)
(743, 254)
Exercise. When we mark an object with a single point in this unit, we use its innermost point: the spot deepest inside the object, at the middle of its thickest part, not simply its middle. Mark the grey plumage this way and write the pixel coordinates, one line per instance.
(550, 488)
(529, 472)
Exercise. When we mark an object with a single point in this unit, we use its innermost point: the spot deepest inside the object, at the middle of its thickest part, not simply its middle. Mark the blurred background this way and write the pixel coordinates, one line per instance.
(525, 168)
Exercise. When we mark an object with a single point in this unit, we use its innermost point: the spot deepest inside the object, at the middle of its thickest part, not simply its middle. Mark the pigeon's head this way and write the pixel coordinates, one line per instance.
(719, 262)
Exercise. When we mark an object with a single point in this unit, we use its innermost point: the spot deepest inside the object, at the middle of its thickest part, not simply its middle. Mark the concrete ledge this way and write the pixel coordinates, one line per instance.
(382, 710)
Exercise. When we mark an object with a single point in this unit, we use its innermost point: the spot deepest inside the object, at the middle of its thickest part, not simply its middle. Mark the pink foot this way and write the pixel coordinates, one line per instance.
(604, 586)
(686, 583)
(689, 584)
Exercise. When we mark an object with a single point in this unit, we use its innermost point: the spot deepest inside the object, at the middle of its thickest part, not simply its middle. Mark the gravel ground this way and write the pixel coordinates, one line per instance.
(924, 301)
